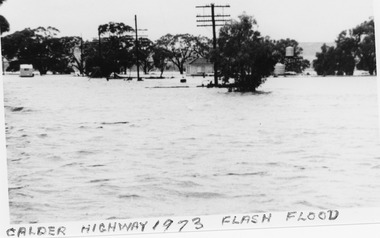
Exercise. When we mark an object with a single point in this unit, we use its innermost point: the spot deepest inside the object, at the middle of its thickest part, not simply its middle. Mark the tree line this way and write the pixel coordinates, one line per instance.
(354, 48)
(242, 52)
(113, 52)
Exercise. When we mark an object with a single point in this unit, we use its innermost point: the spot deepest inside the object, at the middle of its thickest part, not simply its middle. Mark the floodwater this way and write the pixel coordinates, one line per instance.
(82, 149)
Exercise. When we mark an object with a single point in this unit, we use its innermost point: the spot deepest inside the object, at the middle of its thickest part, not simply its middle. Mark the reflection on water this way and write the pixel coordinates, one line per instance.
(91, 149)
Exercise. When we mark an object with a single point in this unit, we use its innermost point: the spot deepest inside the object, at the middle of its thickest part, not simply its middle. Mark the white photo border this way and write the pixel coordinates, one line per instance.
(347, 223)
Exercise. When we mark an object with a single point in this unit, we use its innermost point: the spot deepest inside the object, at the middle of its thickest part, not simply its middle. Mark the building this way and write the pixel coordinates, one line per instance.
(199, 67)
(26, 70)
(279, 69)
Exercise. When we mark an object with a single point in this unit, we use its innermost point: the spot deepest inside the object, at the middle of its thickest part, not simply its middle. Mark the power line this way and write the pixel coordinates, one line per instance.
(214, 18)
(137, 48)
(211, 20)
(209, 25)
(219, 15)
(212, 5)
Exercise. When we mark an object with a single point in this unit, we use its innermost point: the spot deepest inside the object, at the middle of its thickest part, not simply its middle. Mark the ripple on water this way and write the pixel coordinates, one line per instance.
(293, 151)
(96, 165)
(15, 160)
(99, 180)
(189, 184)
(115, 123)
(308, 204)
(204, 195)
(14, 109)
(24, 195)
(86, 152)
(197, 147)
(18, 109)
(299, 167)
(261, 173)
(260, 195)
(16, 188)
(293, 178)
(54, 157)
(72, 164)
(129, 196)
(44, 135)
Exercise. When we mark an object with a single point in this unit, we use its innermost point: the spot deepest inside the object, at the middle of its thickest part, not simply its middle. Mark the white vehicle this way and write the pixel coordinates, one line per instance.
(26, 70)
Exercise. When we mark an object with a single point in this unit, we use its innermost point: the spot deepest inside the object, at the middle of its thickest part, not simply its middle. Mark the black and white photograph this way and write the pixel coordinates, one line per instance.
(126, 109)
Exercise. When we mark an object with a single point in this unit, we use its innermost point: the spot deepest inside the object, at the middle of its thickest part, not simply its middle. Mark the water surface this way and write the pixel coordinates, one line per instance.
(91, 149)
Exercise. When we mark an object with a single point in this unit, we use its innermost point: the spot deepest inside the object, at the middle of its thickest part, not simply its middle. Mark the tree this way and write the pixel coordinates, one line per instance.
(65, 56)
(16, 44)
(39, 47)
(42, 48)
(297, 63)
(115, 29)
(354, 48)
(202, 46)
(345, 54)
(243, 54)
(145, 54)
(325, 64)
(364, 35)
(90, 57)
(4, 25)
(114, 51)
(161, 56)
(367, 55)
(181, 48)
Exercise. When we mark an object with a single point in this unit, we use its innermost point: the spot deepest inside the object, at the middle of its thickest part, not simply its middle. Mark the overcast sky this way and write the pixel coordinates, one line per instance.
(302, 20)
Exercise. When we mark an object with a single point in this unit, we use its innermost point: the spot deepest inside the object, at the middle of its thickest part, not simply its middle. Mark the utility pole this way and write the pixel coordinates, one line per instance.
(3, 65)
(81, 56)
(137, 49)
(81, 46)
(100, 48)
(2, 59)
(214, 18)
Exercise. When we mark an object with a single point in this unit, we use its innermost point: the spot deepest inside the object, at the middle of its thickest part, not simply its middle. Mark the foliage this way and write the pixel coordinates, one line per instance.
(202, 46)
(325, 64)
(365, 38)
(182, 48)
(161, 56)
(4, 24)
(243, 54)
(345, 50)
(65, 52)
(114, 29)
(17, 44)
(114, 51)
(145, 54)
(297, 63)
(39, 47)
(354, 48)
(90, 57)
